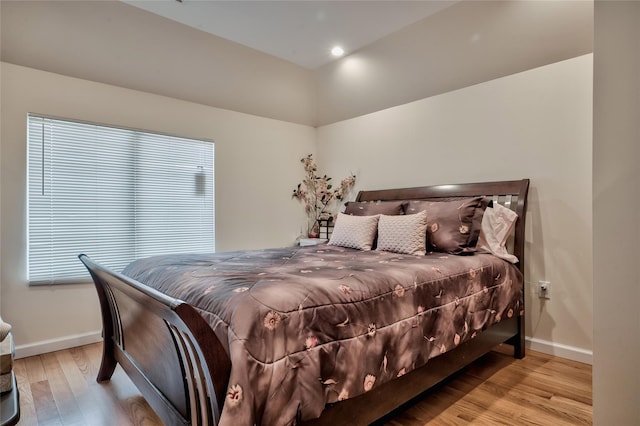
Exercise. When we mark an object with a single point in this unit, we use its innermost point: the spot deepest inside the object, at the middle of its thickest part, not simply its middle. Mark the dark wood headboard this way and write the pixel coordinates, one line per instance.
(511, 194)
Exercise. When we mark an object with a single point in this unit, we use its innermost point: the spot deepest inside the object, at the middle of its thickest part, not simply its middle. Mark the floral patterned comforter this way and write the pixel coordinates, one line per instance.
(306, 326)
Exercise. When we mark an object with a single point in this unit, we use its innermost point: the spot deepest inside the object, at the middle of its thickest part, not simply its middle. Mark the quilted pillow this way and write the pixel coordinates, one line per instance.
(450, 223)
(355, 232)
(403, 234)
(497, 223)
(363, 208)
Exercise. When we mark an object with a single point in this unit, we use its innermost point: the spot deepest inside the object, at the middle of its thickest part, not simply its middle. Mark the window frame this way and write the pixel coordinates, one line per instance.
(171, 138)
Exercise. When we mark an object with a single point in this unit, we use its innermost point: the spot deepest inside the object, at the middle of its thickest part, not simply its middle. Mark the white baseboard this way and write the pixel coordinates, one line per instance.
(53, 345)
(557, 349)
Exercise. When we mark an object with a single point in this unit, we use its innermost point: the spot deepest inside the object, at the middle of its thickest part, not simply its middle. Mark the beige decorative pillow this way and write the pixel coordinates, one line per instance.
(355, 232)
(403, 234)
(497, 223)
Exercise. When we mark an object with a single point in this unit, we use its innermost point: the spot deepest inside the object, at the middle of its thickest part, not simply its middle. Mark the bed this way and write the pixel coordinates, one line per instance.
(325, 334)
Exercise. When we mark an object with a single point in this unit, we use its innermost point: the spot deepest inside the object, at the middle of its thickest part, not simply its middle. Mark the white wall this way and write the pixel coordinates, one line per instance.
(535, 124)
(257, 167)
(616, 203)
(112, 42)
(465, 44)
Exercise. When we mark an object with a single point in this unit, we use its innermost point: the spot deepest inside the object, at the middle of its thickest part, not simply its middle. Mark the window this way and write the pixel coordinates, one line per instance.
(114, 194)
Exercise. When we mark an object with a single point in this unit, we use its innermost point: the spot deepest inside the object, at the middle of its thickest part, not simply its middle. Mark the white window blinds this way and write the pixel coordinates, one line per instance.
(114, 194)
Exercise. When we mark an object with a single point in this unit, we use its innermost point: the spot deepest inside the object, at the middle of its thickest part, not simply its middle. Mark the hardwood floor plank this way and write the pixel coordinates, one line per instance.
(584, 411)
(506, 404)
(136, 407)
(95, 402)
(64, 398)
(45, 405)
(83, 362)
(542, 382)
(61, 389)
(27, 407)
(125, 392)
(35, 369)
(498, 389)
(88, 362)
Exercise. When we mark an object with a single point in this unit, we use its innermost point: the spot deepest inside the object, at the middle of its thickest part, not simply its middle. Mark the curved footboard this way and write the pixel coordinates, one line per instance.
(164, 345)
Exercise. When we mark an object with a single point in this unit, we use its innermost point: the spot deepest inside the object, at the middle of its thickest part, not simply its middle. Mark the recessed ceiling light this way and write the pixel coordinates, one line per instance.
(337, 51)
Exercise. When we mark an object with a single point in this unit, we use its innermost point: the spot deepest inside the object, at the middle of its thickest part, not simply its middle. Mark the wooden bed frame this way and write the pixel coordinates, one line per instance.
(181, 368)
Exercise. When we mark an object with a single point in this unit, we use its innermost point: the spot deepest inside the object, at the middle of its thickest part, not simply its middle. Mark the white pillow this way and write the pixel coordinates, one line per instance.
(355, 232)
(497, 223)
(403, 234)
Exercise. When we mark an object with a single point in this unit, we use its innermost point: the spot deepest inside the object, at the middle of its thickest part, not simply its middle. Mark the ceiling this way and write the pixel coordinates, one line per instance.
(302, 31)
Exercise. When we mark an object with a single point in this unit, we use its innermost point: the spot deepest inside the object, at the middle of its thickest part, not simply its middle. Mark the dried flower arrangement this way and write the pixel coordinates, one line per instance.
(318, 194)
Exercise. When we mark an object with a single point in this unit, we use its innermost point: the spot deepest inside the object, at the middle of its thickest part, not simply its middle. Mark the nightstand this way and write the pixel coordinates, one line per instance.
(9, 401)
(10, 405)
(304, 242)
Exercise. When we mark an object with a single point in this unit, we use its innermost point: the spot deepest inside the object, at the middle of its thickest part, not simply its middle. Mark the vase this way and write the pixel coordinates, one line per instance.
(314, 231)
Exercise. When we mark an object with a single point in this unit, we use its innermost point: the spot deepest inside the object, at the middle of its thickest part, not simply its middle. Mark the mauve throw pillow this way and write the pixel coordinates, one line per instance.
(363, 208)
(450, 227)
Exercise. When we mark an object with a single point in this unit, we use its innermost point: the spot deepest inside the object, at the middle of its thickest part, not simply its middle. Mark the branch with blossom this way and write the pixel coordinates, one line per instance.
(318, 194)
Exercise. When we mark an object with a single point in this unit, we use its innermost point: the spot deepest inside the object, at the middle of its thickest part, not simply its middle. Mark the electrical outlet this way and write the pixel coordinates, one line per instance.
(544, 289)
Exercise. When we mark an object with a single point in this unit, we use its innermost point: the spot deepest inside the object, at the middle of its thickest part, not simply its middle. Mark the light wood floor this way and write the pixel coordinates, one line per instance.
(59, 388)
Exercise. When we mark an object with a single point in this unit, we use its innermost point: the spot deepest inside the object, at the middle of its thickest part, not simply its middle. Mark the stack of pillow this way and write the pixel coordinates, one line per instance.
(417, 227)
(6, 357)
